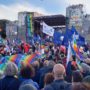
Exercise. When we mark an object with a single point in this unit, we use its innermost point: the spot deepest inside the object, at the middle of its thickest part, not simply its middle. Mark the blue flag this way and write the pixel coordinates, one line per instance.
(56, 38)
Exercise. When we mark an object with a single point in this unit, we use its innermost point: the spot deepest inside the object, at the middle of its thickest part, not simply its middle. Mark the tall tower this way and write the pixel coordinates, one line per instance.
(75, 14)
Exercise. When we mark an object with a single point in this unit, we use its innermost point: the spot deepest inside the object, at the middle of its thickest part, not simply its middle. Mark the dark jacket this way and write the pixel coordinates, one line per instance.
(9, 83)
(36, 78)
(42, 73)
(29, 81)
(69, 72)
(58, 85)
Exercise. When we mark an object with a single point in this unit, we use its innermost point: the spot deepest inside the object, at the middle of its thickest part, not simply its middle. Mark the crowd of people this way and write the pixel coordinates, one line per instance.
(49, 73)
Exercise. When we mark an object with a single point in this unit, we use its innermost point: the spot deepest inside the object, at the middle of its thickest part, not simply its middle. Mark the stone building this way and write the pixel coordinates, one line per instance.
(75, 15)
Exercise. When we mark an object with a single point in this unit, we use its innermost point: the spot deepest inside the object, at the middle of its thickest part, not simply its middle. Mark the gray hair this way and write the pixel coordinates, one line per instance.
(85, 67)
(51, 63)
(11, 69)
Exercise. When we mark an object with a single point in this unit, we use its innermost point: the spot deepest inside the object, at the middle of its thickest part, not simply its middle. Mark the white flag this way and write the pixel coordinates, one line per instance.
(48, 29)
(69, 53)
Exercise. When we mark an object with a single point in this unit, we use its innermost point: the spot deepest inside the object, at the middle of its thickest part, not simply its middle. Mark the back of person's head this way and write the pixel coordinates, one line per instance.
(77, 76)
(27, 87)
(11, 69)
(78, 86)
(59, 71)
(86, 82)
(87, 60)
(48, 79)
(46, 63)
(51, 63)
(27, 71)
(85, 67)
(22, 64)
(36, 64)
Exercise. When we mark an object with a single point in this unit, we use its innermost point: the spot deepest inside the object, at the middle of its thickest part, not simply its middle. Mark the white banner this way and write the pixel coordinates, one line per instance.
(48, 29)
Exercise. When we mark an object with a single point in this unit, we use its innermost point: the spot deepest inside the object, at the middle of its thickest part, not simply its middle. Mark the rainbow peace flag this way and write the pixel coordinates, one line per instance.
(30, 58)
(17, 59)
(75, 47)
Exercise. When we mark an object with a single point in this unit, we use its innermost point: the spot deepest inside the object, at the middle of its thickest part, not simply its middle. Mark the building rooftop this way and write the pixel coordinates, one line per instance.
(52, 20)
(76, 6)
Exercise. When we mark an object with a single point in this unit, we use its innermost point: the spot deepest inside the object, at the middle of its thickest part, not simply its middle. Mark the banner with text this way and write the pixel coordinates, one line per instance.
(47, 29)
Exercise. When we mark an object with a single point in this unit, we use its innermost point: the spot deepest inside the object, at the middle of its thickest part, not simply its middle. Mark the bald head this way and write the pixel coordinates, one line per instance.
(58, 70)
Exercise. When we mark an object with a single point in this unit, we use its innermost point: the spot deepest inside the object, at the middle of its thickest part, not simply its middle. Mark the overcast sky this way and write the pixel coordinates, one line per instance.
(9, 8)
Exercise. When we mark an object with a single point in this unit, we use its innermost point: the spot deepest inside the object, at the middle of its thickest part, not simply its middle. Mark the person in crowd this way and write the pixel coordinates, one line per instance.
(10, 81)
(51, 53)
(78, 86)
(86, 82)
(27, 87)
(33, 48)
(59, 83)
(87, 61)
(74, 63)
(85, 69)
(36, 66)
(26, 73)
(48, 79)
(63, 55)
(22, 47)
(63, 58)
(48, 67)
(77, 76)
(57, 54)
(69, 71)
